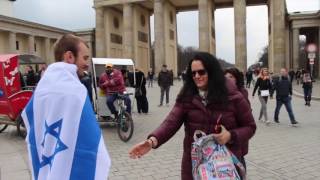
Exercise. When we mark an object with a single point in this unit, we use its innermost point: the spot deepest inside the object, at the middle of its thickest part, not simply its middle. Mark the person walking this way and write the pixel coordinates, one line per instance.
(205, 96)
(86, 80)
(307, 87)
(150, 77)
(291, 75)
(283, 88)
(141, 96)
(237, 77)
(248, 78)
(30, 75)
(164, 82)
(264, 86)
(298, 76)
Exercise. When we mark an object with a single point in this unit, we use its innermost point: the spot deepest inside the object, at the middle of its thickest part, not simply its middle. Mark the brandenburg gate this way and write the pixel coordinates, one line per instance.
(123, 30)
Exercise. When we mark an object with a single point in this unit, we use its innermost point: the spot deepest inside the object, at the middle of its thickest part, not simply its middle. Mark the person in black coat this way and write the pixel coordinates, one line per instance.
(30, 76)
(248, 78)
(141, 98)
(87, 82)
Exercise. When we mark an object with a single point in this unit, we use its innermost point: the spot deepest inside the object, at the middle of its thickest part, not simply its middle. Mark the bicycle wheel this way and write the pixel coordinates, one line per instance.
(21, 128)
(3, 127)
(125, 127)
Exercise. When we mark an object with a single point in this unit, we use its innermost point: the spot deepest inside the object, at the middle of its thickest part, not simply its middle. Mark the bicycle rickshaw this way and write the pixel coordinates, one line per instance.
(124, 121)
(13, 95)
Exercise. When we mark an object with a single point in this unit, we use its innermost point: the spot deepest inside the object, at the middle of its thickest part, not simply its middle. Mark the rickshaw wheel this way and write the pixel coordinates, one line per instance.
(125, 130)
(3, 127)
(22, 132)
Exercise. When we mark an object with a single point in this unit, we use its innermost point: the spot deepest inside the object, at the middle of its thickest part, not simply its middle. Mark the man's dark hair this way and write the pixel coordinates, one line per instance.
(217, 90)
(164, 66)
(67, 42)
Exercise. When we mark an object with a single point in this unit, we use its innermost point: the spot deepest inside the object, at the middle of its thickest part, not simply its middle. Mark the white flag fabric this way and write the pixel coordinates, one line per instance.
(64, 139)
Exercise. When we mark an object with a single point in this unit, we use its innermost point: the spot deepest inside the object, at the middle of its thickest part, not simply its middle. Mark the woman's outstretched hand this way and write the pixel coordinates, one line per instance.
(140, 149)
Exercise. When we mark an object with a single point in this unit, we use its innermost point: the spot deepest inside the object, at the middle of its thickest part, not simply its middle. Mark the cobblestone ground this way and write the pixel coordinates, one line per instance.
(277, 151)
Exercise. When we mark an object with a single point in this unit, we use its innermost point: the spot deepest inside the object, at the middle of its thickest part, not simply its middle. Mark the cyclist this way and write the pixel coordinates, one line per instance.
(111, 81)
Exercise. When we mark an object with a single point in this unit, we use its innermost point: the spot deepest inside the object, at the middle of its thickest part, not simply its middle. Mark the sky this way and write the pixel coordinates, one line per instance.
(79, 14)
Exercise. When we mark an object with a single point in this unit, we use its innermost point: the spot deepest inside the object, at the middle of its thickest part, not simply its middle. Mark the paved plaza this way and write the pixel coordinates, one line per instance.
(277, 151)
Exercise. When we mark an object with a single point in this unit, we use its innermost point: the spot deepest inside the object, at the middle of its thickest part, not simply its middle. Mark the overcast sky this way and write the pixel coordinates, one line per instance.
(79, 14)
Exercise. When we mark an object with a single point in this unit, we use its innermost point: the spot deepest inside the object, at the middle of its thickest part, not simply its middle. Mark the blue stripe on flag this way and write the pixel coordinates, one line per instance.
(85, 155)
(32, 139)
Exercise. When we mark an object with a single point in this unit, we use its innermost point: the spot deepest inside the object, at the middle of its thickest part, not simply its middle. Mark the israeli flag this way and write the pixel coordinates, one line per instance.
(64, 139)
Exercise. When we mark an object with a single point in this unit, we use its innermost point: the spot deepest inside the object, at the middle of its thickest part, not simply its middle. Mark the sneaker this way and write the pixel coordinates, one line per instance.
(267, 122)
(276, 121)
(294, 123)
(159, 105)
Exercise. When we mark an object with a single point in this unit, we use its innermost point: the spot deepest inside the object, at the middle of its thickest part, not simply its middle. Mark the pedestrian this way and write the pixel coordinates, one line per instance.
(248, 78)
(164, 82)
(171, 76)
(150, 77)
(141, 96)
(41, 71)
(291, 75)
(283, 88)
(264, 87)
(85, 79)
(205, 96)
(30, 76)
(307, 87)
(298, 76)
(184, 74)
(255, 76)
(237, 77)
(64, 139)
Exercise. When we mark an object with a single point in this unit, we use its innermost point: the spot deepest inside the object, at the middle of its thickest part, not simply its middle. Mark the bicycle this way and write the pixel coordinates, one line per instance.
(123, 119)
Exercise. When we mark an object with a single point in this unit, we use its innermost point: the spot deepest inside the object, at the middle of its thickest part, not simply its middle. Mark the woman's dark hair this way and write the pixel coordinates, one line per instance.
(217, 90)
(237, 75)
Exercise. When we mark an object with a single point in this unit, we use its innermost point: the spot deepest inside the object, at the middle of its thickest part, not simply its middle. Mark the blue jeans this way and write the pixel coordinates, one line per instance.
(112, 98)
(307, 94)
(287, 103)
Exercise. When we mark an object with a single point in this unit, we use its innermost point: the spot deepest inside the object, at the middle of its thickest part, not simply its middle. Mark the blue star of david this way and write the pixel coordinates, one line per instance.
(53, 130)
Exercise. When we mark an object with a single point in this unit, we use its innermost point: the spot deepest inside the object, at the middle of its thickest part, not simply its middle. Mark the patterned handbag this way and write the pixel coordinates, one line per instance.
(211, 161)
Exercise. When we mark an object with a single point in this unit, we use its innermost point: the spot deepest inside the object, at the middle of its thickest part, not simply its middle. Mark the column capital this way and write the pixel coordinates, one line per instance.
(159, 1)
(128, 4)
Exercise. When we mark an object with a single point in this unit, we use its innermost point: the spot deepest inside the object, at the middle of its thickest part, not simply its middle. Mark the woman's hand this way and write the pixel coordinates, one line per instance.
(141, 149)
(224, 137)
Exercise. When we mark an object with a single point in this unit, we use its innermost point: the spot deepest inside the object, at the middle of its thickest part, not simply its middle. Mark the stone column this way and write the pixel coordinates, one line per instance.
(277, 48)
(12, 42)
(48, 51)
(31, 44)
(89, 43)
(240, 34)
(159, 34)
(295, 48)
(318, 51)
(206, 26)
(128, 31)
(100, 33)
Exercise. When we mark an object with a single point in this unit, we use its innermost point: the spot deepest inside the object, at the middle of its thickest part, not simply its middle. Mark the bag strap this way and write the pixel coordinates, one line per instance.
(239, 165)
(198, 132)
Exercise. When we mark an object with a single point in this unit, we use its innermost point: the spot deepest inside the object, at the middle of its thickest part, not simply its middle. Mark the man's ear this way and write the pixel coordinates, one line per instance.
(69, 57)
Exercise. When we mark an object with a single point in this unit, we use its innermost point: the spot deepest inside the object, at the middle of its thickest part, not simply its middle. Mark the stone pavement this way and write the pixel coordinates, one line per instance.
(277, 151)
